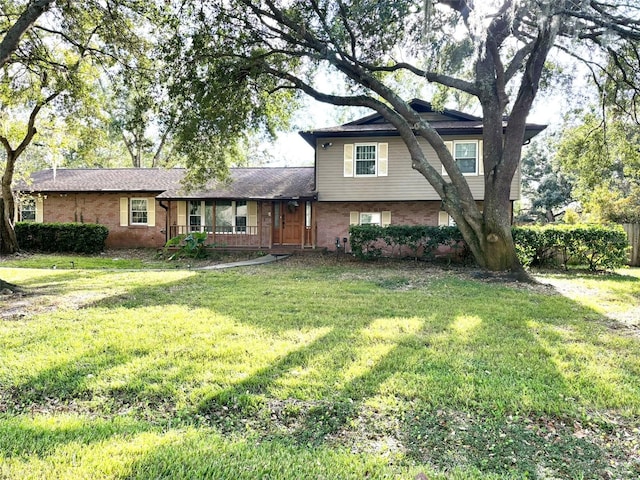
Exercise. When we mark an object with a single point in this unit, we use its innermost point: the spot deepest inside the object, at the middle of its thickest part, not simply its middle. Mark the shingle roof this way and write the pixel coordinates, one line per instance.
(244, 183)
(102, 180)
(255, 183)
(374, 125)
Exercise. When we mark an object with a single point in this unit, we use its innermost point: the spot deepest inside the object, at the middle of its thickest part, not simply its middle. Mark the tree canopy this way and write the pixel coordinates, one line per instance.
(603, 155)
(53, 56)
(496, 52)
(544, 184)
(237, 66)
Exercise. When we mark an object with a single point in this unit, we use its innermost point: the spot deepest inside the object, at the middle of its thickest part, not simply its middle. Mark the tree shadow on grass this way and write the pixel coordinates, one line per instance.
(448, 411)
(59, 384)
(22, 436)
(62, 391)
(416, 375)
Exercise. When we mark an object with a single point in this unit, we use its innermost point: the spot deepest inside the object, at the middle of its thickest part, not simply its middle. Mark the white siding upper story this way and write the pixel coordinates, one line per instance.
(379, 168)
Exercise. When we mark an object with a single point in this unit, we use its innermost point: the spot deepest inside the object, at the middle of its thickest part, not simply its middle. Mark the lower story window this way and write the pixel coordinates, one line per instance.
(382, 218)
(139, 211)
(370, 218)
(28, 210)
(231, 216)
(200, 216)
(445, 220)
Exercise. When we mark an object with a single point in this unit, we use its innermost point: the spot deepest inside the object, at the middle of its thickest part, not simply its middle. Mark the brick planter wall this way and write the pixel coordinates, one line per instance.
(333, 217)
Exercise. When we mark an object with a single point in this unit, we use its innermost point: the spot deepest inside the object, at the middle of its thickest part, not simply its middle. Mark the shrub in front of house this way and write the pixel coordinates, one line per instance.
(191, 245)
(417, 241)
(61, 237)
(599, 247)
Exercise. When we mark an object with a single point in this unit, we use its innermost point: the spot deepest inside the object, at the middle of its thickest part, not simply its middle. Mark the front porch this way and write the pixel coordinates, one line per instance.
(249, 238)
(275, 226)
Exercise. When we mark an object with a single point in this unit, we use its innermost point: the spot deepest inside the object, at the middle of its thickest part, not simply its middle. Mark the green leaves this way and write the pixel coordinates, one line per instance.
(603, 156)
(191, 245)
(61, 237)
(598, 247)
(370, 241)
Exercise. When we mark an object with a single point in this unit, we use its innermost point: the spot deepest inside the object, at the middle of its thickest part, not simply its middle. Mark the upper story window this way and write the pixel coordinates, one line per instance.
(366, 156)
(366, 159)
(139, 211)
(467, 155)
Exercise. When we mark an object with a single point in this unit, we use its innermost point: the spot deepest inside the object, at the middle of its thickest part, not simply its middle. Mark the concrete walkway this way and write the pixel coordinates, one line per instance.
(245, 263)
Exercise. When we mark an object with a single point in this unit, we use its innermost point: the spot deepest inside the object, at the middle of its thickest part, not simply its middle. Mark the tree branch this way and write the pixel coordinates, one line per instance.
(10, 42)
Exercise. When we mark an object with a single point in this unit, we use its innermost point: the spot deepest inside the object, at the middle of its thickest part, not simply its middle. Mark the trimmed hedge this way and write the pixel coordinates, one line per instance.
(61, 237)
(599, 247)
(596, 246)
(420, 241)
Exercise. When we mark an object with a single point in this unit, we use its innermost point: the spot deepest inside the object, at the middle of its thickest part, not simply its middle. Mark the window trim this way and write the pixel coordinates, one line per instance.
(131, 211)
(453, 154)
(235, 229)
(21, 204)
(451, 146)
(375, 161)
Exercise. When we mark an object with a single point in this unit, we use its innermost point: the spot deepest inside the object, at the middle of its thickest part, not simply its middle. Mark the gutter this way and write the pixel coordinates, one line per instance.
(166, 220)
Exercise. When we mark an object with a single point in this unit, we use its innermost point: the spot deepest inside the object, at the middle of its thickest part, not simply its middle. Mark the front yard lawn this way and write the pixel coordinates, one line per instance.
(331, 370)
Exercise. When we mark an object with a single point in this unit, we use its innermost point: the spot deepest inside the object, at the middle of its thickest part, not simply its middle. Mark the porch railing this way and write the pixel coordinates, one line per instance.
(225, 236)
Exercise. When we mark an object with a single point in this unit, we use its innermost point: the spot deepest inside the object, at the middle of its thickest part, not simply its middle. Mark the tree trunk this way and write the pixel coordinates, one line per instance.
(8, 240)
(499, 249)
(551, 218)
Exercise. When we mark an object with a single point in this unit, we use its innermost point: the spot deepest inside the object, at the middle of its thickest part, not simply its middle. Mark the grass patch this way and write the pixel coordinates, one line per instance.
(335, 371)
(131, 259)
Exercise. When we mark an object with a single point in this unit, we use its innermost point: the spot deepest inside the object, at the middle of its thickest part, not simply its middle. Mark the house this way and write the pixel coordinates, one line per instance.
(362, 175)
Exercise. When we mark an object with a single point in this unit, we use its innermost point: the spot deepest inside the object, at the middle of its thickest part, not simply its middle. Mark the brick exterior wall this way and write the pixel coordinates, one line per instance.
(333, 217)
(330, 219)
(104, 208)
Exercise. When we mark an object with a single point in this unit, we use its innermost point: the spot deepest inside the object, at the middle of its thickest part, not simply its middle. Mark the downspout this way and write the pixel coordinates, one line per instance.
(166, 220)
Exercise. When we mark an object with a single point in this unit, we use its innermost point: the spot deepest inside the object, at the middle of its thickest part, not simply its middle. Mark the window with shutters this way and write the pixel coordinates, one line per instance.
(366, 156)
(445, 220)
(466, 156)
(201, 216)
(28, 210)
(366, 160)
(139, 211)
(370, 218)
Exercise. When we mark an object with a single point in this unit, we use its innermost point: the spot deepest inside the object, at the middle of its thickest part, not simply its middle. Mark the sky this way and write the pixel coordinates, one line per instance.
(290, 150)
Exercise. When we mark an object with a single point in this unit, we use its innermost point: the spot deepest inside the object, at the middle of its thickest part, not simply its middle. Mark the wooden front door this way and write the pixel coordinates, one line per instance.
(288, 221)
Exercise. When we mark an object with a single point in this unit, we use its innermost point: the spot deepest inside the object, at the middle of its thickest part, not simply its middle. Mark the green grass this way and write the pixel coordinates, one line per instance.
(331, 371)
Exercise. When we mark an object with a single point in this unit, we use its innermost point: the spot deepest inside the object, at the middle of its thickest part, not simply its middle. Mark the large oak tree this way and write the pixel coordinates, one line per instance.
(496, 51)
